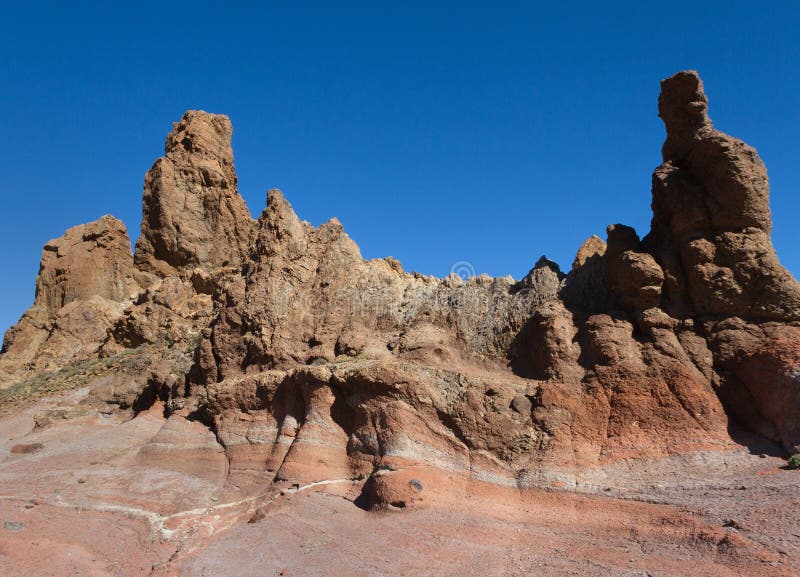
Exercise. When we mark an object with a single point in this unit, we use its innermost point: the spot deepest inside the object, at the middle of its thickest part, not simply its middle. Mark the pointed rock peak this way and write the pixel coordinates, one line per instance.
(279, 214)
(192, 214)
(544, 278)
(592, 246)
(277, 203)
(545, 262)
(280, 231)
(722, 184)
(333, 231)
(621, 238)
(333, 223)
(682, 105)
(201, 135)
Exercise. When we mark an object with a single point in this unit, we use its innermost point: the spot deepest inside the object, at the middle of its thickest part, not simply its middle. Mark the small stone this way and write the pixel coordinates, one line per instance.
(522, 405)
(14, 526)
(732, 523)
(26, 448)
(257, 516)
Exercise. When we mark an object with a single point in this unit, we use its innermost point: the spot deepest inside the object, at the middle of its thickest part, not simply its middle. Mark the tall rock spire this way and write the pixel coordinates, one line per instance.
(192, 214)
(711, 217)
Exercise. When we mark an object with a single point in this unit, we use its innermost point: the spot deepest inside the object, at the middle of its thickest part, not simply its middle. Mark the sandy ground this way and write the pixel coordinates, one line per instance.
(100, 495)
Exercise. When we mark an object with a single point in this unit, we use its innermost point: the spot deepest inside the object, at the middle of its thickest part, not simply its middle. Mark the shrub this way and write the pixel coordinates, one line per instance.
(794, 461)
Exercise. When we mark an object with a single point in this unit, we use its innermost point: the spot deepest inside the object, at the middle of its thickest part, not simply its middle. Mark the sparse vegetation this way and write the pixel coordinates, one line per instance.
(192, 343)
(794, 461)
(65, 379)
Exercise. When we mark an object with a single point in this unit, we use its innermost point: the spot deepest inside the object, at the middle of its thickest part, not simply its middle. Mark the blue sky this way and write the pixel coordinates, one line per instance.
(437, 132)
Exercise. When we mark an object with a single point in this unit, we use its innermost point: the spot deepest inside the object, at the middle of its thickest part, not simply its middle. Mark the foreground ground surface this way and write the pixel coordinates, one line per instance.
(96, 494)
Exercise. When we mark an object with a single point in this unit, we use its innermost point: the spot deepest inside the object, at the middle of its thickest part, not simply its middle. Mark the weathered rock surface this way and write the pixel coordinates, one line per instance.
(313, 365)
(92, 260)
(192, 214)
(103, 495)
(308, 296)
(84, 277)
(633, 366)
(594, 246)
(710, 233)
(711, 217)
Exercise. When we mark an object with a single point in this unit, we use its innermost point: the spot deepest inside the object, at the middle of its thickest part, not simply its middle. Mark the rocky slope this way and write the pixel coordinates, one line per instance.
(309, 363)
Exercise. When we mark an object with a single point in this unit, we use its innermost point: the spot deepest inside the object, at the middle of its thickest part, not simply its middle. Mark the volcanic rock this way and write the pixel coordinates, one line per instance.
(627, 370)
(89, 260)
(594, 246)
(84, 277)
(710, 233)
(248, 361)
(192, 214)
(311, 363)
(634, 276)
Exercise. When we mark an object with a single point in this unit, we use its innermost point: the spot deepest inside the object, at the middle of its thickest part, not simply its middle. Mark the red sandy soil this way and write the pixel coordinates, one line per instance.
(104, 496)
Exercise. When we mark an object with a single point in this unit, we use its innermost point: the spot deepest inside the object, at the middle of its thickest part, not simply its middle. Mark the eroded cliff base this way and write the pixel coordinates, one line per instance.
(102, 495)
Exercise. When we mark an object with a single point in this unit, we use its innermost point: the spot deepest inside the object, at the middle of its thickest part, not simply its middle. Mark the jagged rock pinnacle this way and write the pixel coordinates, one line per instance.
(192, 214)
(682, 105)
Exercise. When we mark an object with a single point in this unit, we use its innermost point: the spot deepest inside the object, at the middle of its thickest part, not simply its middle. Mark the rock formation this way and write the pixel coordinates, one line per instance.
(84, 278)
(310, 362)
(634, 367)
(594, 246)
(192, 214)
(710, 233)
(711, 218)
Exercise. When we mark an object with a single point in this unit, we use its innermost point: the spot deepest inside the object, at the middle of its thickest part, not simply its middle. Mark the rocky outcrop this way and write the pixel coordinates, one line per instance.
(711, 217)
(312, 363)
(94, 298)
(192, 214)
(307, 296)
(592, 247)
(618, 359)
(710, 233)
(91, 260)
(84, 277)
(634, 277)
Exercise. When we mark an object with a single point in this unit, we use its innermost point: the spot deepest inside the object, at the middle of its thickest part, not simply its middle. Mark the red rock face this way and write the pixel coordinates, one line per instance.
(710, 233)
(89, 260)
(711, 218)
(311, 363)
(624, 358)
(192, 214)
(84, 276)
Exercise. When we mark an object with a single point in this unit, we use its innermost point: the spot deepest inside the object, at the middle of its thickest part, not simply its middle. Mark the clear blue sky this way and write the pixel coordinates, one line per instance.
(490, 132)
